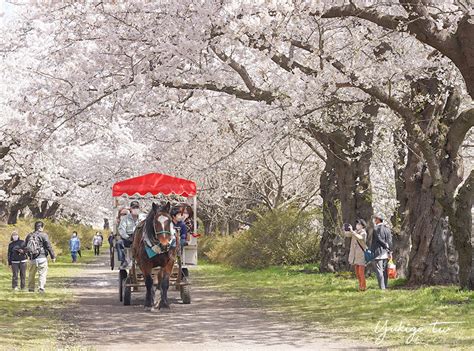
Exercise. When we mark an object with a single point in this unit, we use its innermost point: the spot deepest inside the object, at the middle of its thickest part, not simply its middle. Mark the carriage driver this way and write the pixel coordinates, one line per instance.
(126, 229)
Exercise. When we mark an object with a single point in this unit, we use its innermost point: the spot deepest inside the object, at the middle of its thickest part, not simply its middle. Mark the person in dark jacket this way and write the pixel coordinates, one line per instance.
(178, 222)
(110, 239)
(38, 261)
(17, 260)
(382, 249)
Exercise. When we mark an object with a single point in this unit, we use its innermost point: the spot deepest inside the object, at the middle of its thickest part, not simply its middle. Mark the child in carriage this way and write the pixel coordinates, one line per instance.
(178, 218)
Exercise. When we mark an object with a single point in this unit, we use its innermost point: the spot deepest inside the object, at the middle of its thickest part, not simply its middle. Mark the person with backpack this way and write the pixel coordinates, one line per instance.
(381, 247)
(17, 260)
(356, 253)
(38, 247)
(97, 242)
(74, 246)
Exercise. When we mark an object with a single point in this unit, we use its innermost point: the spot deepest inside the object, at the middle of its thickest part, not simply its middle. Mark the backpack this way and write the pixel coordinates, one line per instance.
(34, 245)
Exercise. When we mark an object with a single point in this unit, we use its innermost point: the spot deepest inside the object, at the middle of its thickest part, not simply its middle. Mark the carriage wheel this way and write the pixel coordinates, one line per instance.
(122, 276)
(127, 292)
(186, 294)
(112, 259)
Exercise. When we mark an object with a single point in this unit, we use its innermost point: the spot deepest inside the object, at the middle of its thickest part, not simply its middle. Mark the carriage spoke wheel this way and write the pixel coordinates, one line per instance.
(112, 259)
(127, 292)
(122, 276)
(186, 294)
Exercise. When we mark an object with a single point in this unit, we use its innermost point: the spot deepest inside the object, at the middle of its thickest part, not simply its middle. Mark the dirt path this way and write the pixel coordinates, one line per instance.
(213, 321)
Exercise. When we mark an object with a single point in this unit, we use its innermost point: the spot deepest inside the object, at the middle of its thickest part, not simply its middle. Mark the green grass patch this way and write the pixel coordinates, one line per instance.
(34, 321)
(59, 233)
(333, 302)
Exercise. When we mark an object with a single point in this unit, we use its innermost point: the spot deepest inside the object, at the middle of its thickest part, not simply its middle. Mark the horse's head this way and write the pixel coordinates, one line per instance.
(163, 228)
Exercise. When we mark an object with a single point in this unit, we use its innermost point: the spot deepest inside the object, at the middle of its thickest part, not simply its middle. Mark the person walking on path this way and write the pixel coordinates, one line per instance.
(97, 242)
(356, 253)
(38, 247)
(381, 247)
(110, 239)
(17, 260)
(74, 246)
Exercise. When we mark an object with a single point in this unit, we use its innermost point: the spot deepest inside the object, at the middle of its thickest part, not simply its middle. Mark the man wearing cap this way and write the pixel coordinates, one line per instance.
(381, 247)
(38, 256)
(126, 228)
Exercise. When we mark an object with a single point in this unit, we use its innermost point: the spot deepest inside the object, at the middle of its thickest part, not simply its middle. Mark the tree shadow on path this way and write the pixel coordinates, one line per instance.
(213, 321)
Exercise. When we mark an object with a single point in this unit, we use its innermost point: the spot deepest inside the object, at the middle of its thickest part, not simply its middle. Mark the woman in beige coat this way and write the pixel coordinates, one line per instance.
(356, 253)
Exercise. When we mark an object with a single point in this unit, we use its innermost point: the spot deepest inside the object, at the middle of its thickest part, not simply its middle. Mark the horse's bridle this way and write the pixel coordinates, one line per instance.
(163, 232)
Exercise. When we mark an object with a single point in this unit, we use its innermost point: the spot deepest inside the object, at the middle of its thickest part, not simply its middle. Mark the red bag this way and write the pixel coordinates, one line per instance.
(391, 269)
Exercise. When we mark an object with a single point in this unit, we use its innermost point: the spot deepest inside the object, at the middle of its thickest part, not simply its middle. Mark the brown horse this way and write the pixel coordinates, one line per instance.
(158, 230)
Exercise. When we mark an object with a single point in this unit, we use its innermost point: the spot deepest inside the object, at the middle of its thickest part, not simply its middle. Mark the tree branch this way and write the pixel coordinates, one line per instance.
(417, 23)
(266, 97)
(458, 131)
(281, 60)
(409, 118)
(351, 10)
(313, 148)
(241, 70)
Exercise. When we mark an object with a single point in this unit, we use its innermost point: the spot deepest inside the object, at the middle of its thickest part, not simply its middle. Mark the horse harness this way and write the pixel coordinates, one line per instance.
(154, 244)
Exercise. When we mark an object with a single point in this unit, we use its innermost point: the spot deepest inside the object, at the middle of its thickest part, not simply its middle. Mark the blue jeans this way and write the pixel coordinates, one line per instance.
(74, 256)
(121, 245)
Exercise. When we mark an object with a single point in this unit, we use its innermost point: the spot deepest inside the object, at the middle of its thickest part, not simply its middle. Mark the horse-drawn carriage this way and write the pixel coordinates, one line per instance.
(173, 261)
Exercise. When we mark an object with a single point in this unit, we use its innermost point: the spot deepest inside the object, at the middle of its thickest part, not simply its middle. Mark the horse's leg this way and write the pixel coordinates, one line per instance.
(150, 292)
(160, 280)
(165, 284)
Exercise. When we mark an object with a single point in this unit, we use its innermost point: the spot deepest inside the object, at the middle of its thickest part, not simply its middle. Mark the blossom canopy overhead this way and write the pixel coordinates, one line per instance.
(154, 183)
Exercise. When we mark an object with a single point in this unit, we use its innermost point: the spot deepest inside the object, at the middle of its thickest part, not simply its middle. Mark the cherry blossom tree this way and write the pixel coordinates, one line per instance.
(215, 76)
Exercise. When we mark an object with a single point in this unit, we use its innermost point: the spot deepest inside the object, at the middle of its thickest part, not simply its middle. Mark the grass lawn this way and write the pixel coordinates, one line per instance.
(408, 317)
(33, 321)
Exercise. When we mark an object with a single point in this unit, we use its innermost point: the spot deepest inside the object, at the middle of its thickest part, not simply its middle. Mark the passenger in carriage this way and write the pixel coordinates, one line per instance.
(128, 222)
(189, 219)
(178, 221)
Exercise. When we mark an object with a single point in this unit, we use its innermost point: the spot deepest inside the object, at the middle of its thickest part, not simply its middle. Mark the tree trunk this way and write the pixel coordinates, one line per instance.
(8, 186)
(3, 211)
(345, 188)
(208, 226)
(50, 212)
(24, 200)
(35, 210)
(461, 224)
(106, 224)
(432, 257)
(332, 248)
(359, 184)
(44, 208)
(463, 54)
(401, 238)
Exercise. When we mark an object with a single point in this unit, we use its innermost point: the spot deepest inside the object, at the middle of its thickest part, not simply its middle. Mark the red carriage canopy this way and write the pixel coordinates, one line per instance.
(155, 183)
